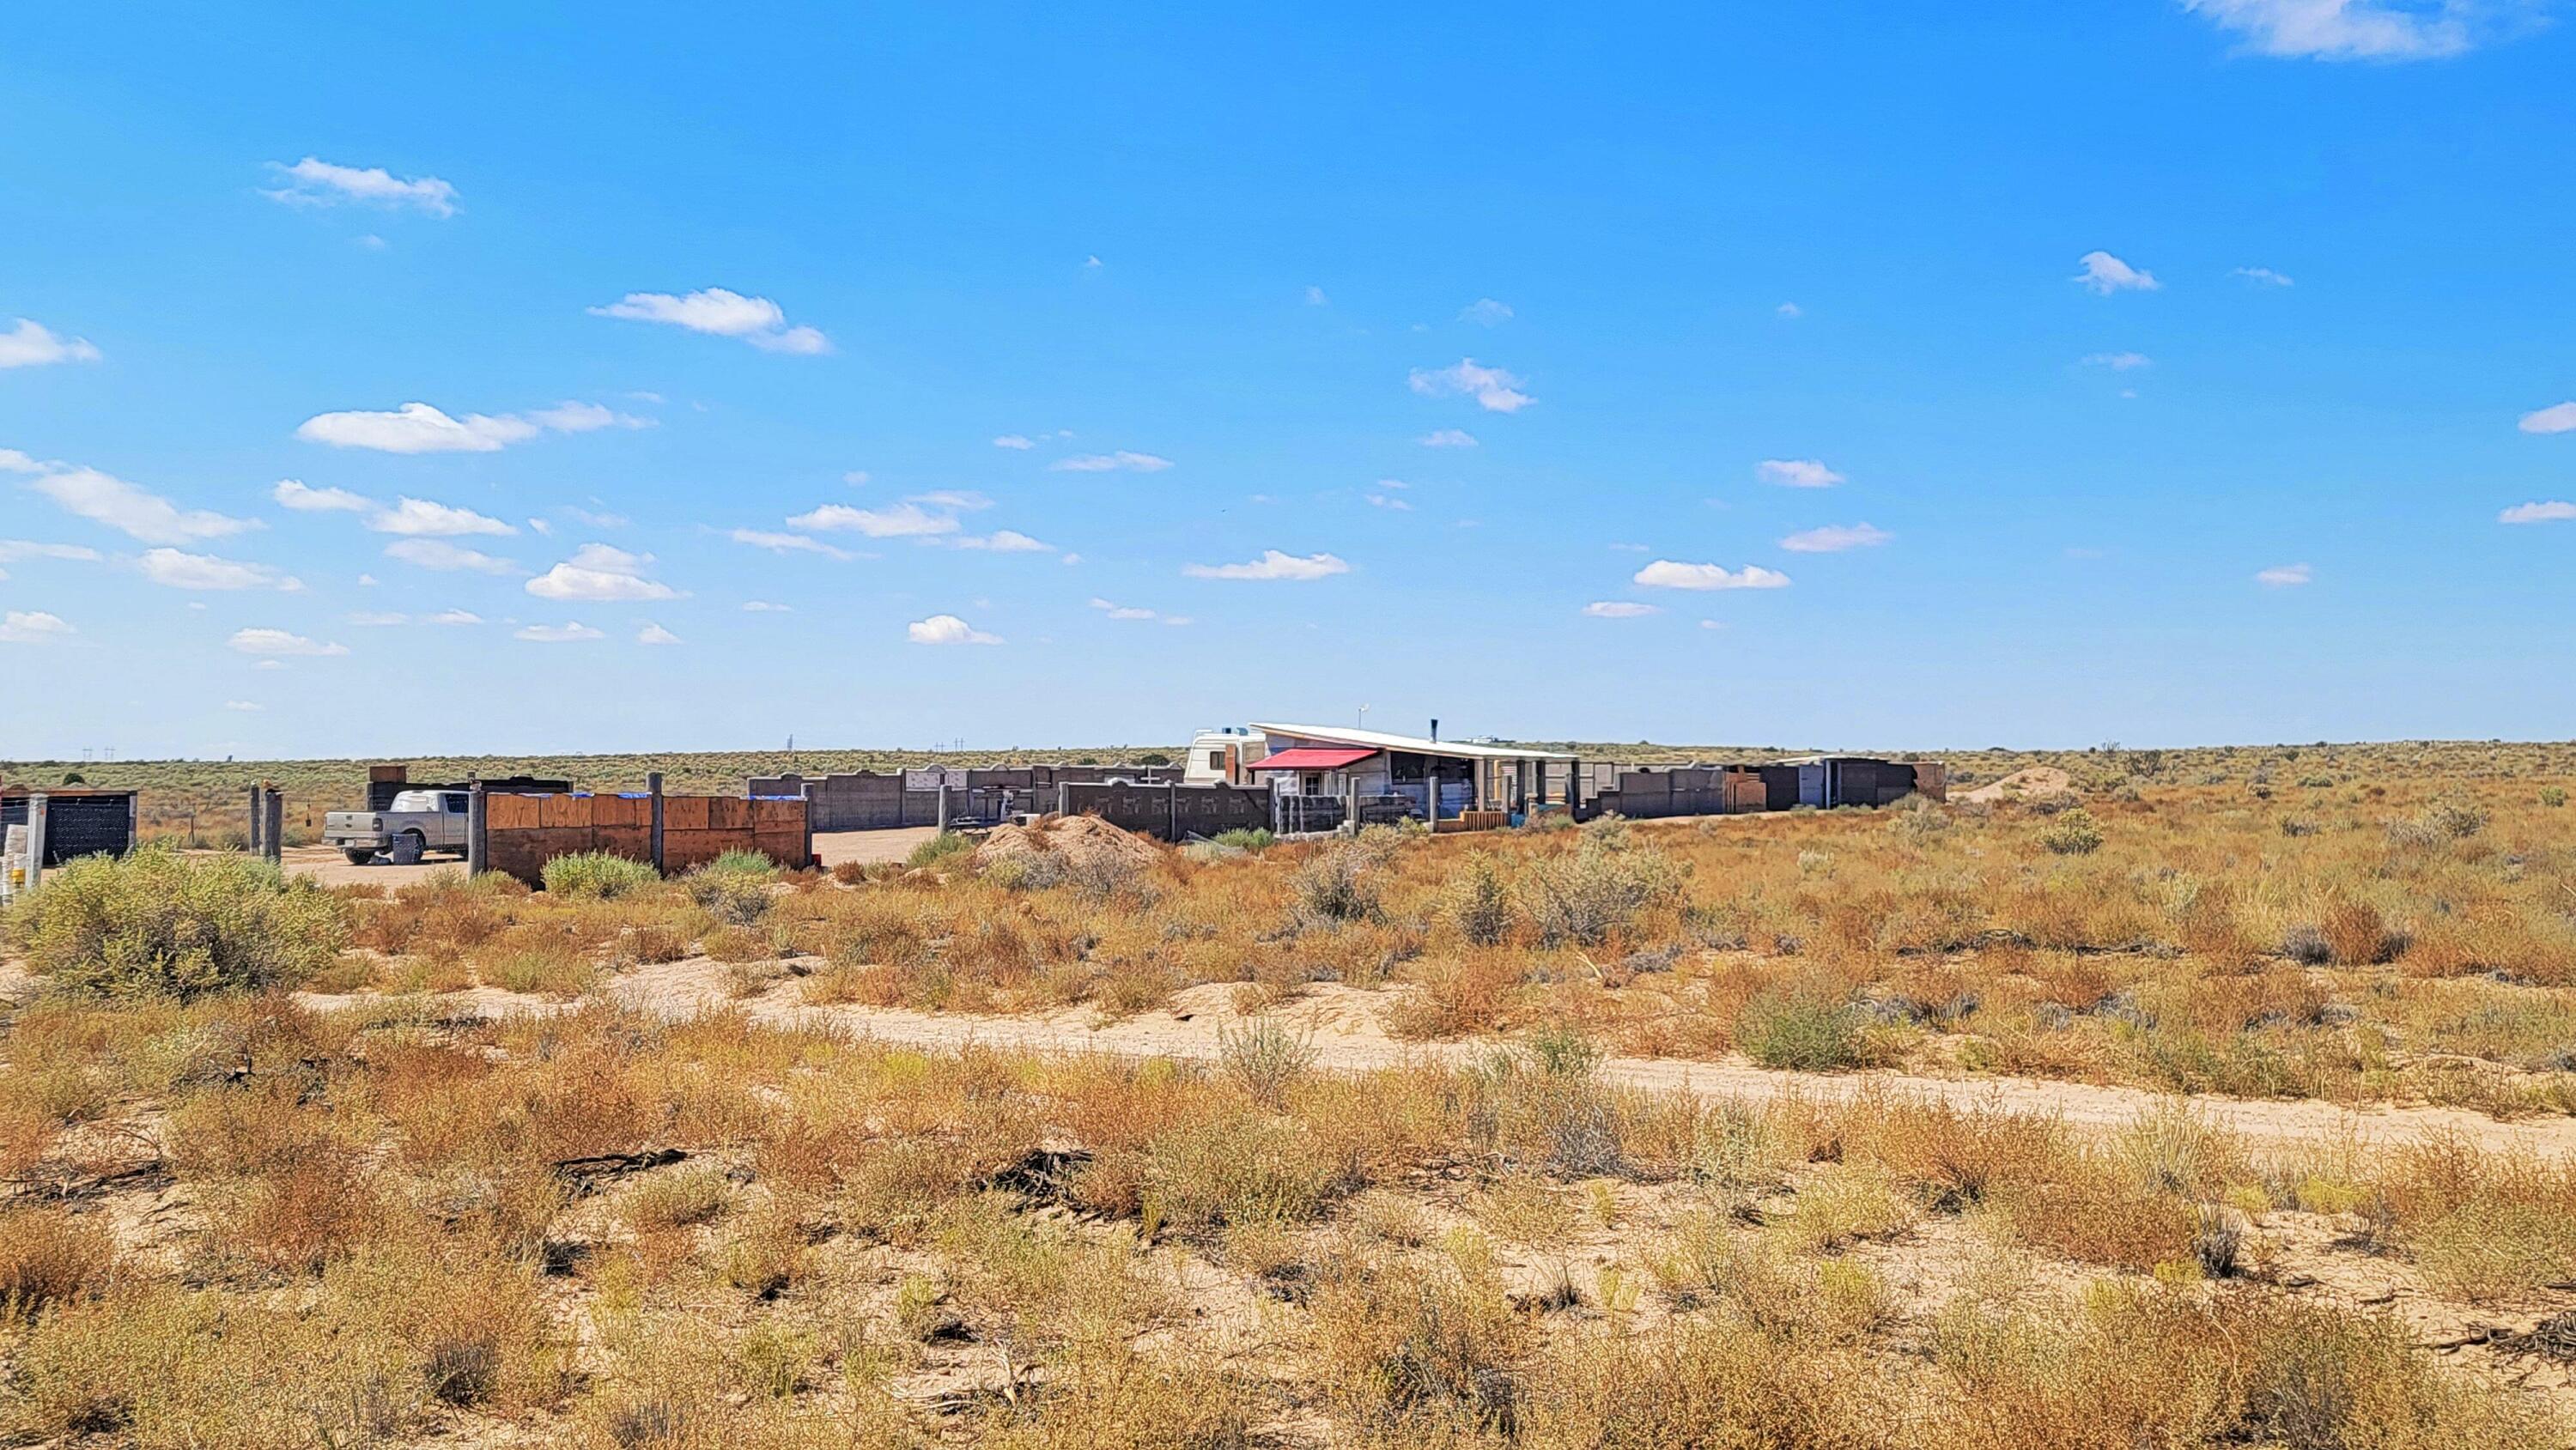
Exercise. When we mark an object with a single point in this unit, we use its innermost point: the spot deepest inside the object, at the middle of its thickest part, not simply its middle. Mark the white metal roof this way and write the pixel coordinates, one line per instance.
(1420, 745)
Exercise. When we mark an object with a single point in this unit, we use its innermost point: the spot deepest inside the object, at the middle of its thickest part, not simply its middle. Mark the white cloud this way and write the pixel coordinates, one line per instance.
(723, 313)
(653, 633)
(1712, 624)
(1618, 609)
(455, 617)
(1797, 473)
(33, 626)
(1093, 263)
(173, 569)
(1486, 312)
(2556, 418)
(906, 520)
(778, 543)
(2105, 274)
(2283, 576)
(279, 642)
(378, 620)
(1448, 438)
(763, 606)
(965, 499)
(557, 633)
(1315, 297)
(2551, 512)
(1006, 541)
(1122, 460)
(1834, 538)
(104, 499)
(2118, 362)
(31, 344)
(947, 629)
(315, 182)
(1013, 441)
(1123, 611)
(2263, 276)
(1273, 564)
(1494, 390)
(418, 517)
(245, 706)
(417, 428)
(597, 572)
(584, 418)
(855, 478)
(1667, 574)
(293, 494)
(12, 550)
(1790, 309)
(1384, 501)
(440, 554)
(2345, 29)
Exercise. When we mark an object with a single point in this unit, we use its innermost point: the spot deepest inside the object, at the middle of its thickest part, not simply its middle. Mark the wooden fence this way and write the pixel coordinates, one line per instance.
(521, 833)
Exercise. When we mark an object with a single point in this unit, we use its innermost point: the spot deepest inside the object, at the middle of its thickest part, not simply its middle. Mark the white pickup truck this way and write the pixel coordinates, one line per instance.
(418, 821)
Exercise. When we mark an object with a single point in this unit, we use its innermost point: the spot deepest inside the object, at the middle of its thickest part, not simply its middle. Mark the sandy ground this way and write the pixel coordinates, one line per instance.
(1345, 1028)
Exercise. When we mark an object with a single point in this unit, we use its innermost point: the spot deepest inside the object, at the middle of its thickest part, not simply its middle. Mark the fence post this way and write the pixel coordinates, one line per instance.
(943, 806)
(273, 835)
(255, 819)
(35, 840)
(1352, 787)
(653, 786)
(1063, 798)
(478, 845)
(1172, 802)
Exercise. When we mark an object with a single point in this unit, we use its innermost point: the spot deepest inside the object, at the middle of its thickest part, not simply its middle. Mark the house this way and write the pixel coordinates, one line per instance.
(1441, 779)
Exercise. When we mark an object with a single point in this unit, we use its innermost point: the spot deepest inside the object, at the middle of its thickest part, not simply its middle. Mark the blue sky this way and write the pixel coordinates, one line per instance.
(1846, 375)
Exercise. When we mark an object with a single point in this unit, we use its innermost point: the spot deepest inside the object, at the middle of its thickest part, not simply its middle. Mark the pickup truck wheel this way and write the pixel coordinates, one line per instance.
(358, 857)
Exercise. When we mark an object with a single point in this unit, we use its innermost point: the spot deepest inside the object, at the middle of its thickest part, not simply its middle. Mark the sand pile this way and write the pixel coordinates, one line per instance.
(1074, 841)
(2037, 783)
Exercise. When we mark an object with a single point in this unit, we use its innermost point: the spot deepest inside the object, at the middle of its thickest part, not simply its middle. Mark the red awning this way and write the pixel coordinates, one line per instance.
(1313, 757)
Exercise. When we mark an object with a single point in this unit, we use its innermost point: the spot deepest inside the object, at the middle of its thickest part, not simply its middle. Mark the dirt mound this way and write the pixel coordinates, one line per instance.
(1072, 842)
(2037, 783)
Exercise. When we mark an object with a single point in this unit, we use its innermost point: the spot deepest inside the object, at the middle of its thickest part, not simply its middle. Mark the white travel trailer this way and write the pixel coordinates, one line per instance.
(1224, 756)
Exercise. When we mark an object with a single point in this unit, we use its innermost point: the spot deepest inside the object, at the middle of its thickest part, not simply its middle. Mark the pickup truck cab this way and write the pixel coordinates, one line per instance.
(417, 822)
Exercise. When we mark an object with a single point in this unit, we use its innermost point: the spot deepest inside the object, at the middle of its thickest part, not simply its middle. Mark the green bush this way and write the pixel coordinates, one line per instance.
(1256, 839)
(741, 862)
(1601, 888)
(732, 897)
(1803, 1029)
(2072, 834)
(158, 924)
(938, 848)
(599, 874)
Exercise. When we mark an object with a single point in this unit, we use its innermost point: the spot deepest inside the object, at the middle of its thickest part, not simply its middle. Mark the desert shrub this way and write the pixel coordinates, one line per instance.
(749, 863)
(46, 1257)
(939, 848)
(732, 897)
(1264, 1057)
(1484, 907)
(2073, 833)
(2553, 796)
(1337, 883)
(597, 874)
(1805, 1027)
(678, 1199)
(1432, 1344)
(1257, 839)
(1601, 888)
(156, 923)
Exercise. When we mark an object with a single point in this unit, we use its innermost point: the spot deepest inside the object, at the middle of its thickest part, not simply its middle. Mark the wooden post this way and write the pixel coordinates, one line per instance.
(273, 833)
(35, 840)
(1063, 798)
(478, 844)
(943, 805)
(134, 821)
(653, 787)
(1351, 790)
(257, 818)
(1574, 788)
(1172, 801)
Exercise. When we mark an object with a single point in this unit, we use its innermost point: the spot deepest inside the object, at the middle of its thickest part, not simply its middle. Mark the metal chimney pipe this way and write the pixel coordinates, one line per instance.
(1435, 727)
